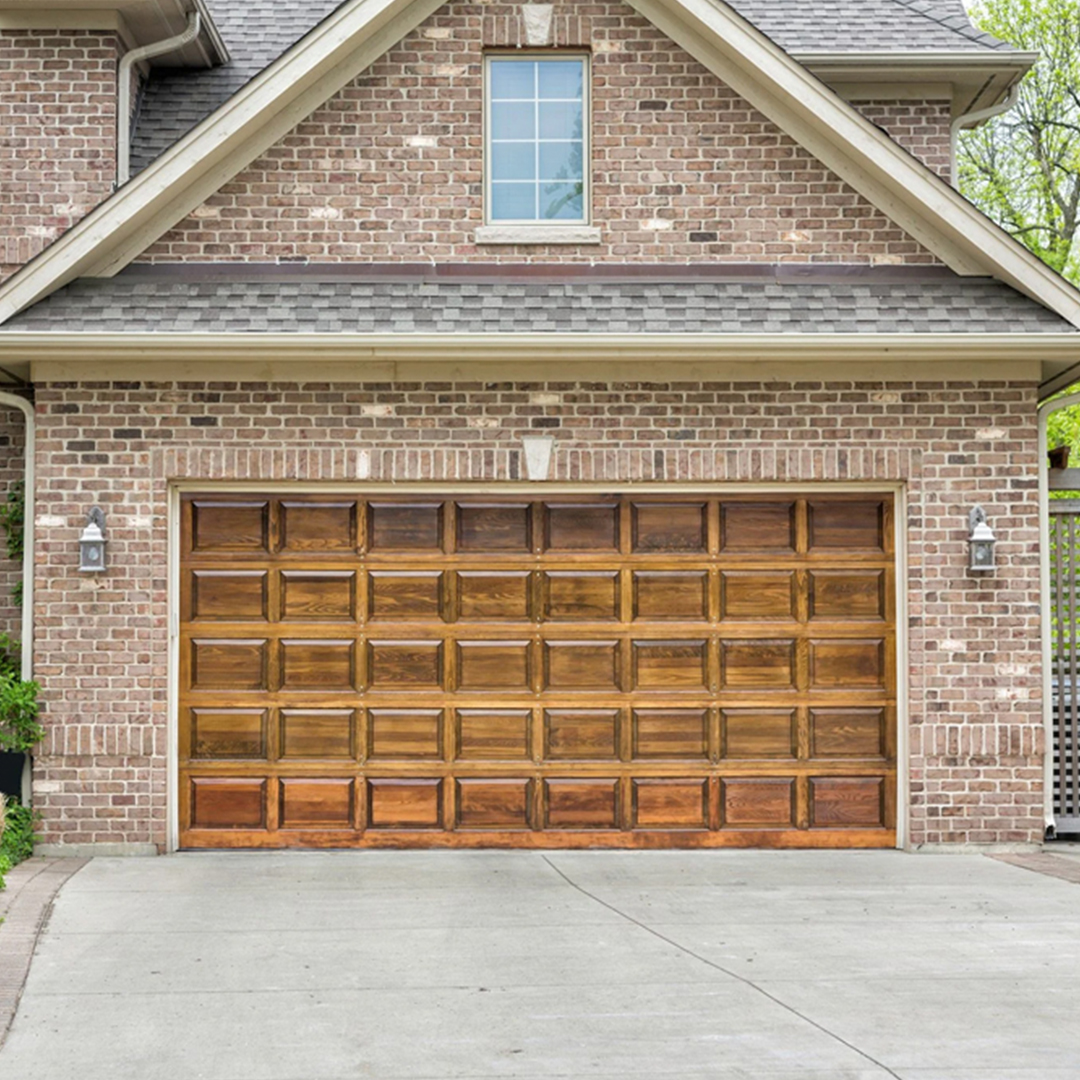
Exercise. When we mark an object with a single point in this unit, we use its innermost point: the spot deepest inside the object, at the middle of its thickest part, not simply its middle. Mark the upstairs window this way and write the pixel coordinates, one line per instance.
(537, 139)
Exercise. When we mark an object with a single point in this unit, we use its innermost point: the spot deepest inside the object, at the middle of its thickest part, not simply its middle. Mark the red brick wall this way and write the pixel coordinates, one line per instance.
(12, 444)
(57, 132)
(683, 169)
(102, 652)
(920, 127)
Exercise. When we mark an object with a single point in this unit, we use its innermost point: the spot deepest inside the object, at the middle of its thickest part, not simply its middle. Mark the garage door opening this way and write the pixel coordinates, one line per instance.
(574, 671)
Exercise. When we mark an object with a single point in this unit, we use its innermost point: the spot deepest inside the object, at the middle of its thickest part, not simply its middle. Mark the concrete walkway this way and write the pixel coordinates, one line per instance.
(569, 966)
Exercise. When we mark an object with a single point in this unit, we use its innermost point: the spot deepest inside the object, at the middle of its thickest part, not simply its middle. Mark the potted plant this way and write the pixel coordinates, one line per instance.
(20, 729)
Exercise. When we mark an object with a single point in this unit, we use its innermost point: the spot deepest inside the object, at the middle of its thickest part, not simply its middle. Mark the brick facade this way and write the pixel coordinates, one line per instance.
(57, 132)
(391, 168)
(974, 713)
(12, 444)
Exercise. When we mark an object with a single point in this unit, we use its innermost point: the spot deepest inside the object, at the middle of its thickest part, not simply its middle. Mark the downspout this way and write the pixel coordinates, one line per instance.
(123, 109)
(974, 119)
(1045, 409)
(27, 650)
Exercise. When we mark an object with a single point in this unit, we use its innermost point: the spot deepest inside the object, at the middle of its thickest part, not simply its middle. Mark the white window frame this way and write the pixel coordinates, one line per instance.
(562, 224)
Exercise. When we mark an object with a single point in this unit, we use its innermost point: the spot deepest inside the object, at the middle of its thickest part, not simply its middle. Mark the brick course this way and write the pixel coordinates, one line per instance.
(57, 135)
(975, 715)
(391, 168)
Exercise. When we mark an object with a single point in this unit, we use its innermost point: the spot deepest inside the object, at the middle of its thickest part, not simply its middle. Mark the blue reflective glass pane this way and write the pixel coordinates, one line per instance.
(561, 161)
(562, 78)
(513, 79)
(513, 202)
(513, 161)
(562, 202)
(561, 120)
(513, 120)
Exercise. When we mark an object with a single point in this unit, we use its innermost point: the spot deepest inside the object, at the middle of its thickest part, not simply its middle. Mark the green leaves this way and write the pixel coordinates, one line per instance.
(19, 708)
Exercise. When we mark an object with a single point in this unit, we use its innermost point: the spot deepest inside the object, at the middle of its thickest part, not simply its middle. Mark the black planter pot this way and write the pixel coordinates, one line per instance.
(11, 771)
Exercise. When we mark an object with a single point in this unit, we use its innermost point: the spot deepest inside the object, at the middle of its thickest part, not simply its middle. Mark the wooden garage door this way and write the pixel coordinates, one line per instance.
(629, 671)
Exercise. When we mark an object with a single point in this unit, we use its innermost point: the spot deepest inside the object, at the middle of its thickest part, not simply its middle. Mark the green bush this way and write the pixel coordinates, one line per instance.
(16, 834)
(19, 708)
(13, 520)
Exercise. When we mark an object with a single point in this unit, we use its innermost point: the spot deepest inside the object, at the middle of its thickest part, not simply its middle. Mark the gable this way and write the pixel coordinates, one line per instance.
(684, 168)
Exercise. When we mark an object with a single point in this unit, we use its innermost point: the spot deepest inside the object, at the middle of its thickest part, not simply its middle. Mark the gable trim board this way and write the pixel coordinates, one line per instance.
(352, 38)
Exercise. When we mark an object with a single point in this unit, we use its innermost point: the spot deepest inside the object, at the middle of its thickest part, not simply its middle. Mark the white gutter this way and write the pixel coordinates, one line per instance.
(123, 109)
(974, 119)
(27, 633)
(1045, 409)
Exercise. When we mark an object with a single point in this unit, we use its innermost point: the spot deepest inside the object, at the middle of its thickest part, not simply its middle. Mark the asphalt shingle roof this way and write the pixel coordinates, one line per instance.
(142, 300)
(257, 32)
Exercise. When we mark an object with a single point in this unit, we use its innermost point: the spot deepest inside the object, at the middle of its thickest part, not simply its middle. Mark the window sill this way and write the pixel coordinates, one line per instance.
(537, 234)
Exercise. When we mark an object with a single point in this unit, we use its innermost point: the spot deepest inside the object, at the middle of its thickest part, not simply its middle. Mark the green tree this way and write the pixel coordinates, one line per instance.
(1023, 168)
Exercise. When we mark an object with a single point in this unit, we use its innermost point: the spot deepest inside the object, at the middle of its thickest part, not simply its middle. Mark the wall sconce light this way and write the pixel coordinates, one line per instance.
(92, 543)
(538, 450)
(981, 541)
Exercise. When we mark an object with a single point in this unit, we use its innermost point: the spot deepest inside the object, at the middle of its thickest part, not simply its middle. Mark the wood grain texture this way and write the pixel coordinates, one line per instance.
(621, 671)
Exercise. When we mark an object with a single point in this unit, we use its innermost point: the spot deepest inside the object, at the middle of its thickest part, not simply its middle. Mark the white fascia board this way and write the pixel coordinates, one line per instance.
(899, 185)
(265, 110)
(154, 348)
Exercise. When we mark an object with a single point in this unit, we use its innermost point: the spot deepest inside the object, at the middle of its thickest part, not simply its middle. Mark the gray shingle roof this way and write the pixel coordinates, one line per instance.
(157, 300)
(257, 32)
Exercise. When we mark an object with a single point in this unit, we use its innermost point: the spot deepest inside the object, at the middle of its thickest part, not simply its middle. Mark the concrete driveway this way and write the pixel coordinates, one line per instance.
(339, 966)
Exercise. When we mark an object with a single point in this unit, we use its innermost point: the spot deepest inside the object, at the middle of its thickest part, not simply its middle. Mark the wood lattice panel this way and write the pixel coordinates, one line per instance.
(584, 670)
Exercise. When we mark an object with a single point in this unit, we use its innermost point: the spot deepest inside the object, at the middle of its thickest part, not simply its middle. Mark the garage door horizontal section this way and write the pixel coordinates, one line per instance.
(587, 670)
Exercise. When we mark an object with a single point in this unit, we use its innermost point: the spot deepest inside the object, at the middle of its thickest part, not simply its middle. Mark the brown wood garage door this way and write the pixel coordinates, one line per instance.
(629, 671)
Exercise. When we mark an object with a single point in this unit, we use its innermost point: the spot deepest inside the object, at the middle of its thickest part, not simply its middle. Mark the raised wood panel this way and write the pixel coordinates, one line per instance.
(230, 526)
(316, 527)
(581, 596)
(582, 804)
(669, 527)
(318, 734)
(758, 665)
(582, 665)
(493, 734)
(848, 733)
(681, 734)
(493, 527)
(497, 597)
(491, 666)
(408, 595)
(752, 734)
(847, 664)
(493, 804)
(581, 734)
(849, 526)
(229, 595)
(405, 526)
(757, 595)
(628, 670)
(582, 527)
(667, 595)
(671, 804)
(847, 594)
(404, 804)
(318, 595)
(227, 803)
(229, 664)
(847, 802)
(753, 528)
(671, 665)
(228, 733)
(404, 665)
(765, 803)
(318, 665)
(312, 804)
(405, 734)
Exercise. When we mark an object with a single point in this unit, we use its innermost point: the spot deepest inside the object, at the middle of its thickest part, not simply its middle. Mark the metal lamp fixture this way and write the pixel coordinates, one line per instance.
(92, 543)
(981, 541)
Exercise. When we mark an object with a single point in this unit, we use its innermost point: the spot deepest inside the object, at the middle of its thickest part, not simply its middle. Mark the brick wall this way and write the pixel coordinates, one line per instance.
(975, 717)
(683, 168)
(57, 134)
(922, 128)
(12, 443)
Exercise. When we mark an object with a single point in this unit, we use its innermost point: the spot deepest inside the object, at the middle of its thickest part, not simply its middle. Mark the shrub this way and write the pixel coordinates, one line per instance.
(19, 708)
(16, 834)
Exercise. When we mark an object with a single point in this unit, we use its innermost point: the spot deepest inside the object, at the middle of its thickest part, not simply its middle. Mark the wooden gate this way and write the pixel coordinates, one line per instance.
(1065, 644)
